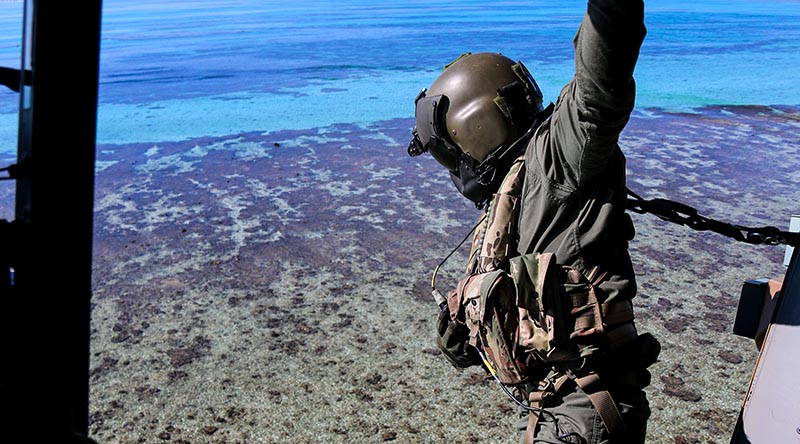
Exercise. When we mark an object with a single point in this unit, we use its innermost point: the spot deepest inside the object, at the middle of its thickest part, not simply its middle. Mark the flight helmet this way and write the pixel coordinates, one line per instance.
(473, 118)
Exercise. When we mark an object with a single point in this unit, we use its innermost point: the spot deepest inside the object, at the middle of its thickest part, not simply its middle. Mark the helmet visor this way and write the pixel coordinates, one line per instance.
(430, 112)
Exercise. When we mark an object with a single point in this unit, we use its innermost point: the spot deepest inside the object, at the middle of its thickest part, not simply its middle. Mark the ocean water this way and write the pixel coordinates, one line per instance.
(178, 70)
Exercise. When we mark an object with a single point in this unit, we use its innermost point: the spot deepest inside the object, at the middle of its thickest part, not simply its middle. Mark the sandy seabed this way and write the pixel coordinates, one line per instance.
(274, 288)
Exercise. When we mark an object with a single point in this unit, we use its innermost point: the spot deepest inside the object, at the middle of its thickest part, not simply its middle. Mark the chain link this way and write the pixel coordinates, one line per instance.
(683, 214)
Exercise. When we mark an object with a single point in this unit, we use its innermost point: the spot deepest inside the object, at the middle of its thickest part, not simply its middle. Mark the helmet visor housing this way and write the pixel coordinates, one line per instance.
(428, 134)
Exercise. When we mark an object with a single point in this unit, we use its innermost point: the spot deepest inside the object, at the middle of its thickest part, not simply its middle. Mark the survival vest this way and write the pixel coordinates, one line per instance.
(527, 312)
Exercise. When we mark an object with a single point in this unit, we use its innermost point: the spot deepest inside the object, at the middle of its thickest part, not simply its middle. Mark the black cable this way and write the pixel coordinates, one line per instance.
(436, 270)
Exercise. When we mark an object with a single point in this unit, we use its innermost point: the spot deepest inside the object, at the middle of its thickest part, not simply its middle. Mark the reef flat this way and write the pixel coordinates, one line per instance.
(273, 287)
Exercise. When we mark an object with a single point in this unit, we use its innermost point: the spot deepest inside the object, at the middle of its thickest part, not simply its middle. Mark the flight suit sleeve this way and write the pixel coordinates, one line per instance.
(595, 105)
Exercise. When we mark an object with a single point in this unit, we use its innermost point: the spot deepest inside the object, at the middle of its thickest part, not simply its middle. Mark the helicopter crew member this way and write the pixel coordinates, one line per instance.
(553, 180)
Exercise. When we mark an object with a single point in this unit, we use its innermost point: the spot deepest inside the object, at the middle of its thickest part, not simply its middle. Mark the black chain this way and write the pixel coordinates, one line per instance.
(683, 214)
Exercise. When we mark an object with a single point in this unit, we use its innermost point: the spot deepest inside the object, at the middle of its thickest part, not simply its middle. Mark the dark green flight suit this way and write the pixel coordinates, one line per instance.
(574, 193)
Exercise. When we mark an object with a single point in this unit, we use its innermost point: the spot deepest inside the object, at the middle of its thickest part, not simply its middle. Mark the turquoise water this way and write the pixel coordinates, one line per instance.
(173, 71)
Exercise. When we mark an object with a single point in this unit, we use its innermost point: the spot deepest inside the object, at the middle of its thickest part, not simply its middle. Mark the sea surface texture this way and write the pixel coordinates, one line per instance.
(264, 245)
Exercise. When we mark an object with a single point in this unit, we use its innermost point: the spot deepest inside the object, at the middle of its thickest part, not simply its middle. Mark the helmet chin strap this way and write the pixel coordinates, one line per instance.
(478, 182)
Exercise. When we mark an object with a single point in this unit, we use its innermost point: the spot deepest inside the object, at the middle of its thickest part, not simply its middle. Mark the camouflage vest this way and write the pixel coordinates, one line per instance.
(527, 312)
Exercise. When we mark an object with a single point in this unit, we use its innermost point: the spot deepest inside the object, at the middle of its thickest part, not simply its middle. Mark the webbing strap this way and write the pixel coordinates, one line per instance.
(592, 317)
(530, 430)
(612, 314)
(603, 403)
(598, 316)
(536, 400)
(591, 385)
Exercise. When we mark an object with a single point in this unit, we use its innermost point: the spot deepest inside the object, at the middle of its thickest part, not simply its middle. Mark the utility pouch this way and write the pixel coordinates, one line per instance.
(546, 323)
(492, 315)
(452, 337)
(520, 319)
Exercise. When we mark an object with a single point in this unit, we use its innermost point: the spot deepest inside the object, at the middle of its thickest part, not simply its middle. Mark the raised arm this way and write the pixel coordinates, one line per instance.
(595, 106)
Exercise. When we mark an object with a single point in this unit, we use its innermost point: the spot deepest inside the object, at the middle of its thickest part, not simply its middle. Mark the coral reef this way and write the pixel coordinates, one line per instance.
(266, 288)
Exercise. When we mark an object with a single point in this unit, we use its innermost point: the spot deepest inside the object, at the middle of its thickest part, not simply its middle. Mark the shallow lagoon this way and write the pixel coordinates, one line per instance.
(272, 286)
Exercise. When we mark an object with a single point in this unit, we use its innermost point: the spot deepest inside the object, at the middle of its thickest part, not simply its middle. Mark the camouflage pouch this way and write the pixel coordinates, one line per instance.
(452, 337)
(567, 319)
(545, 325)
(492, 316)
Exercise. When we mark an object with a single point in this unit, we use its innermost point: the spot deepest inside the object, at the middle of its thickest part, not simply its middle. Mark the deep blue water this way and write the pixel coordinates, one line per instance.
(178, 70)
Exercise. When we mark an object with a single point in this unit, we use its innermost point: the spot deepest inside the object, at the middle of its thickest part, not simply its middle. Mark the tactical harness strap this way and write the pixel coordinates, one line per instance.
(603, 402)
(591, 385)
(536, 399)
